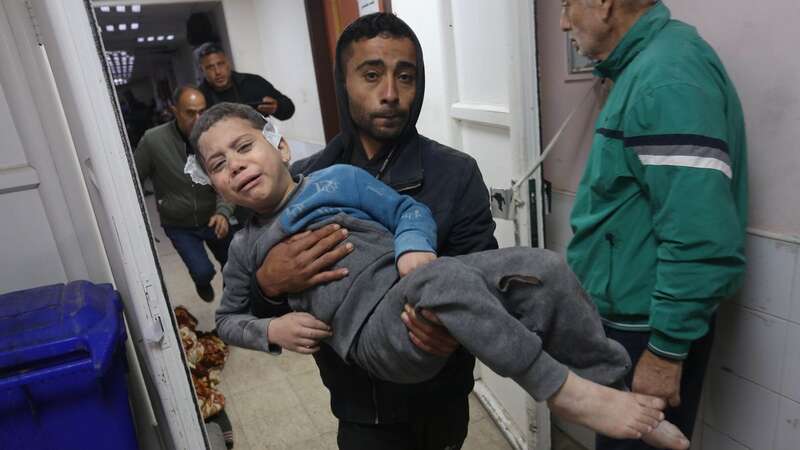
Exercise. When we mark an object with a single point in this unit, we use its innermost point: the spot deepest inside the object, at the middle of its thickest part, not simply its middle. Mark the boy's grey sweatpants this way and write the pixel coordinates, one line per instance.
(521, 311)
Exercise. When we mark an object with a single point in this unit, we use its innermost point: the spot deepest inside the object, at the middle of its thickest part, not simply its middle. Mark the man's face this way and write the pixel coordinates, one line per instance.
(244, 168)
(381, 82)
(582, 19)
(217, 70)
(190, 105)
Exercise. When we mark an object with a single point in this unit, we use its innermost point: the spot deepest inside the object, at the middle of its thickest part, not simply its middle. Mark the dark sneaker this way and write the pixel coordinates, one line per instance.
(206, 293)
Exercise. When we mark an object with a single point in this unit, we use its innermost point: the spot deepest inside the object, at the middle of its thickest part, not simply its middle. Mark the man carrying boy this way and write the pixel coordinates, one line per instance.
(519, 309)
(380, 82)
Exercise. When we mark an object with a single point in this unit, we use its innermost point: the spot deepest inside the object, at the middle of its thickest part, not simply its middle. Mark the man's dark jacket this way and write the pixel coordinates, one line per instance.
(450, 184)
(249, 88)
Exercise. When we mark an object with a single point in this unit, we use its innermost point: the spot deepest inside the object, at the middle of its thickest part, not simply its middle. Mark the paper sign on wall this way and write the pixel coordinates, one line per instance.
(368, 7)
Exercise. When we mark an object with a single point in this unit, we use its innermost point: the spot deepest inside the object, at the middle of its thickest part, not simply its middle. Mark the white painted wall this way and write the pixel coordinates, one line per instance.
(270, 38)
(752, 395)
(288, 65)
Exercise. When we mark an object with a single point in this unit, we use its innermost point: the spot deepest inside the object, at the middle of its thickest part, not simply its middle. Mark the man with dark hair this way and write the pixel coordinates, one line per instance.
(222, 84)
(380, 82)
(191, 214)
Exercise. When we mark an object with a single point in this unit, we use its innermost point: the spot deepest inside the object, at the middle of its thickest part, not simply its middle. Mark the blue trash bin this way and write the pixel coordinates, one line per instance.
(63, 370)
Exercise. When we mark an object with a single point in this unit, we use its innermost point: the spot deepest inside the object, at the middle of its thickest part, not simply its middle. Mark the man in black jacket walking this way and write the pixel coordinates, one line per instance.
(380, 82)
(222, 84)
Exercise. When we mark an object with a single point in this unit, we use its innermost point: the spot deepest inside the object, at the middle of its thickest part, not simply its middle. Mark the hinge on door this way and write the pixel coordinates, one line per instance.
(155, 332)
(502, 203)
(34, 22)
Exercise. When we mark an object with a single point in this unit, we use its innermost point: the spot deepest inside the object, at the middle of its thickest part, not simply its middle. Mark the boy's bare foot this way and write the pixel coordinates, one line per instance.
(666, 435)
(617, 414)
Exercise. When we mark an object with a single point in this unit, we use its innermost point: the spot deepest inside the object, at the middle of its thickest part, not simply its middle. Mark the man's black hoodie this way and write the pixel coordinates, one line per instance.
(450, 184)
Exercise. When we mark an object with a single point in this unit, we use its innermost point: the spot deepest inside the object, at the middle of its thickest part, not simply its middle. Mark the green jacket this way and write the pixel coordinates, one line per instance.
(661, 210)
(161, 156)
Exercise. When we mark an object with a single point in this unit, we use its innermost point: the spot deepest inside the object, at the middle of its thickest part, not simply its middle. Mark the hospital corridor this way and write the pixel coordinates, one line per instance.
(399, 225)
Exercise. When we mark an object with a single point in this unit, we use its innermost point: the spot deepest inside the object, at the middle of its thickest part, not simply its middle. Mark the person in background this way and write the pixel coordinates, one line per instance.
(223, 84)
(191, 214)
(660, 214)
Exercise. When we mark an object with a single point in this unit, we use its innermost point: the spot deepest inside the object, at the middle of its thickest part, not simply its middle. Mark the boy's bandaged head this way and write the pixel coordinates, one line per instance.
(197, 172)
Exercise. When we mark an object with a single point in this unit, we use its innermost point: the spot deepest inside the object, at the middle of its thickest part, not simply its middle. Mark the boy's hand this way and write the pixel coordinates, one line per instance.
(408, 262)
(219, 224)
(299, 332)
(300, 262)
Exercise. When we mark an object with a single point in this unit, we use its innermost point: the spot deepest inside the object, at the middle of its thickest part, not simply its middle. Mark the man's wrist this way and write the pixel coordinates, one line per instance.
(668, 348)
(267, 290)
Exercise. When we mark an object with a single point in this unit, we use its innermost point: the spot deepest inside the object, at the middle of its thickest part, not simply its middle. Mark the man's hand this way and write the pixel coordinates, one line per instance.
(428, 333)
(298, 332)
(408, 262)
(268, 106)
(220, 225)
(659, 377)
(300, 262)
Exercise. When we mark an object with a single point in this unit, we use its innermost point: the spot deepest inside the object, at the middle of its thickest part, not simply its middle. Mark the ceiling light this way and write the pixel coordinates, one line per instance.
(122, 27)
(160, 38)
(170, 37)
(120, 8)
(140, 39)
(134, 25)
(136, 8)
(109, 28)
(150, 39)
(105, 8)
(120, 63)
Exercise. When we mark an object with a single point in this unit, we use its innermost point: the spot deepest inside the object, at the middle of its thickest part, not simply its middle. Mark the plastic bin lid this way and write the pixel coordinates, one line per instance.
(58, 324)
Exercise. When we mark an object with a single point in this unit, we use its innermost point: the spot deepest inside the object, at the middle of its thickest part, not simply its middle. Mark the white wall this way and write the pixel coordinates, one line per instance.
(270, 38)
(288, 65)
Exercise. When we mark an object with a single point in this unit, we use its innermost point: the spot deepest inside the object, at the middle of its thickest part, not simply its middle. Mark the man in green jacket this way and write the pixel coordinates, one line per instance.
(191, 214)
(660, 214)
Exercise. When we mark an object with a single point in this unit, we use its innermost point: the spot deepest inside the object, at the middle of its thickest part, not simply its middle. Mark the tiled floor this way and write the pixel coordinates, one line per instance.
(279, 402)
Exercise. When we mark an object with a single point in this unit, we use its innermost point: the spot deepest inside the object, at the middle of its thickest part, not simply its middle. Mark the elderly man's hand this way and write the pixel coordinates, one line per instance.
(428, 333)
(268, 106)
(219, 224)
(659, 377)
(300, 262)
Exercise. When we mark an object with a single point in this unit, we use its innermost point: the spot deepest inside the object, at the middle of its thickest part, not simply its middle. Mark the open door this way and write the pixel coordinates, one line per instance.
(490, 78)
(83, 102)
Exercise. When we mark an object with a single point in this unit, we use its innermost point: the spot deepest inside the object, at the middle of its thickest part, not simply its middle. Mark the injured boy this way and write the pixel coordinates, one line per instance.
(521, 311)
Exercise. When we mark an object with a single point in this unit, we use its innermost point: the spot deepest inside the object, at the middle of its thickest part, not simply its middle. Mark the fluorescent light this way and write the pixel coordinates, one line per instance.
(170, 37)
(120, 63)
(150, 39)
(136, 8)
(134, 25)
(140, 39)
(122, 27)
(109, 28)
(105, 8)
(120, 8)
(160, 38)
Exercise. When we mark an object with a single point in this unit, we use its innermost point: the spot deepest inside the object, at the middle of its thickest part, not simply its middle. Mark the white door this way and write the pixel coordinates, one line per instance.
(482, 98)
(62, 59)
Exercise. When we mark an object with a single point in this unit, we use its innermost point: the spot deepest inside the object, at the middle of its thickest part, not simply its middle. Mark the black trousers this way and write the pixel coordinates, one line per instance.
(694, 371)
(437, 426)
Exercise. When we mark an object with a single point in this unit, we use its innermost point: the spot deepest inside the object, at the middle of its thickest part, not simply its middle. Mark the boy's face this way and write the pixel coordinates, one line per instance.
(243, 167)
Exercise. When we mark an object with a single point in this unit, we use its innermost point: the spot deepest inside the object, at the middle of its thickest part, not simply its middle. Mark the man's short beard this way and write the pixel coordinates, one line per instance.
(364, 122)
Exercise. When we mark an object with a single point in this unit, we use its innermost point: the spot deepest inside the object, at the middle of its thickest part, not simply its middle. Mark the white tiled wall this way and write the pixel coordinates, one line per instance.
(752, 391)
